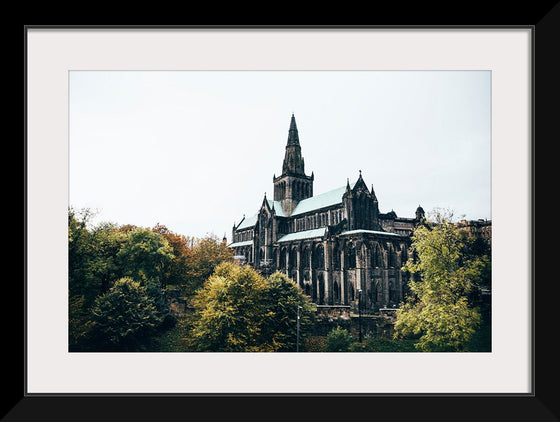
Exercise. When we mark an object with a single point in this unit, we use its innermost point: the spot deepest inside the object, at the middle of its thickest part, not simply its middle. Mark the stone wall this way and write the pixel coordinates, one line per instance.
(372, 326)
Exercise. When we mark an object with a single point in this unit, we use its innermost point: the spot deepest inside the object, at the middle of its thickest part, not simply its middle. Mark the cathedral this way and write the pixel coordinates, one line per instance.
(337, 245)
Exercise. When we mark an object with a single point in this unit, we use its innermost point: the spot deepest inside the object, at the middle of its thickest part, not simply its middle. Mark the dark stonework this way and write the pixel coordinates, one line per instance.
(293, 185)
(332, 245)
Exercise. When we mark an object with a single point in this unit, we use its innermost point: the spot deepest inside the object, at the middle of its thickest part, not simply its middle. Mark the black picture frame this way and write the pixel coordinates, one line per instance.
(17, 405)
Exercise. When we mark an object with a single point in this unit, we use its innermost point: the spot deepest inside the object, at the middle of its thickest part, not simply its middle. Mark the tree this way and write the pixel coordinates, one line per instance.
(100, 255)
(123, 319)
(228, 310)
(174, 272)
(238, 310)
(437, 308)
(144, 255)
(81, 281)
(279, 327)
(204, 256)
(107, 239)
(92, 255)
(91, 269)
(78, 324)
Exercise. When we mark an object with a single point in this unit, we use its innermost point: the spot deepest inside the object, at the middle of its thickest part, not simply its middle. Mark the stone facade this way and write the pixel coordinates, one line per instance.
(479, 228)
(337, 246)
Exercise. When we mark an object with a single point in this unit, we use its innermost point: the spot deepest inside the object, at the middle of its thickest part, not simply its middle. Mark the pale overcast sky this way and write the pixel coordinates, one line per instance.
(195, 150)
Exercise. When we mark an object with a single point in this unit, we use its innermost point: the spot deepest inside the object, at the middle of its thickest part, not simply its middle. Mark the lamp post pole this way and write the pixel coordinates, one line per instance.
(360, 312)
(297, 343)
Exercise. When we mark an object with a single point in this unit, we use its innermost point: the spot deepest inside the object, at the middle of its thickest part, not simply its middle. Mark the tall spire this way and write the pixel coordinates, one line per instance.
(293, 138)
(293, 161)
(293, 185)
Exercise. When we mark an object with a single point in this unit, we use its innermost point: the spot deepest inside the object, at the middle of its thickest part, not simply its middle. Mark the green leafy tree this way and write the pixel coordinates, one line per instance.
(281, 301)
(477, 247)
(86, 266)
(106, 241)
(92, 255)
(123, 319)
(78, 317)
(100, 255)
(81, 280)
(144, 255)
(437, 309)
(238, 310)
(228, 310)
(338, 340)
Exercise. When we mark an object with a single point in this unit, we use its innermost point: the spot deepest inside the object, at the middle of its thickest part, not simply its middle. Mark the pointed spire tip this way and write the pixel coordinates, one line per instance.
(293, 138)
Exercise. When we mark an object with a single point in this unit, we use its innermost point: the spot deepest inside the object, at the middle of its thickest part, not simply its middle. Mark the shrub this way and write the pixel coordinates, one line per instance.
(338, 340)
(382, 345)
(316, 344)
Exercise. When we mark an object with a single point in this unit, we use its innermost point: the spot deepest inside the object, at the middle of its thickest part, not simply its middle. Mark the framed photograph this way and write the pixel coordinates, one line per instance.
(197, 129)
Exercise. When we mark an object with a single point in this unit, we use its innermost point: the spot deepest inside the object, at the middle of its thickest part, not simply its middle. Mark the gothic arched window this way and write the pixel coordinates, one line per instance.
(350, 257)
(391, 256)
(293, 258)
(321, 281)
(282, 258)
(376, 257)
(404, 256)
(336, 292)
(319, 257)
(306, 257)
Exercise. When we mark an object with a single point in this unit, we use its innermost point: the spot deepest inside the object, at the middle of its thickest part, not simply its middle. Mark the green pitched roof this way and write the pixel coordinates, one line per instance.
(368, 231)
(307, 234)
(316, 202)
(239, 244)
(277, 207)
(248, 222)
(323, 200)
(251, 221)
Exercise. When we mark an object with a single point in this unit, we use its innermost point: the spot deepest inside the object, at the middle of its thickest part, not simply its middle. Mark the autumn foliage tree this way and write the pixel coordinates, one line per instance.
(203, 257)
(174, 271)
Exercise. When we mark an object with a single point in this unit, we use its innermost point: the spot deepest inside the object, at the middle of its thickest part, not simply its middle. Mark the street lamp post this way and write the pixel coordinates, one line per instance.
(297, 343)
(360, 312)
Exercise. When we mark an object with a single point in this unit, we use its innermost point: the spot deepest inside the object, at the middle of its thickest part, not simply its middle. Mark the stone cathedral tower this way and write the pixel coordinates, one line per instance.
(293, 185)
